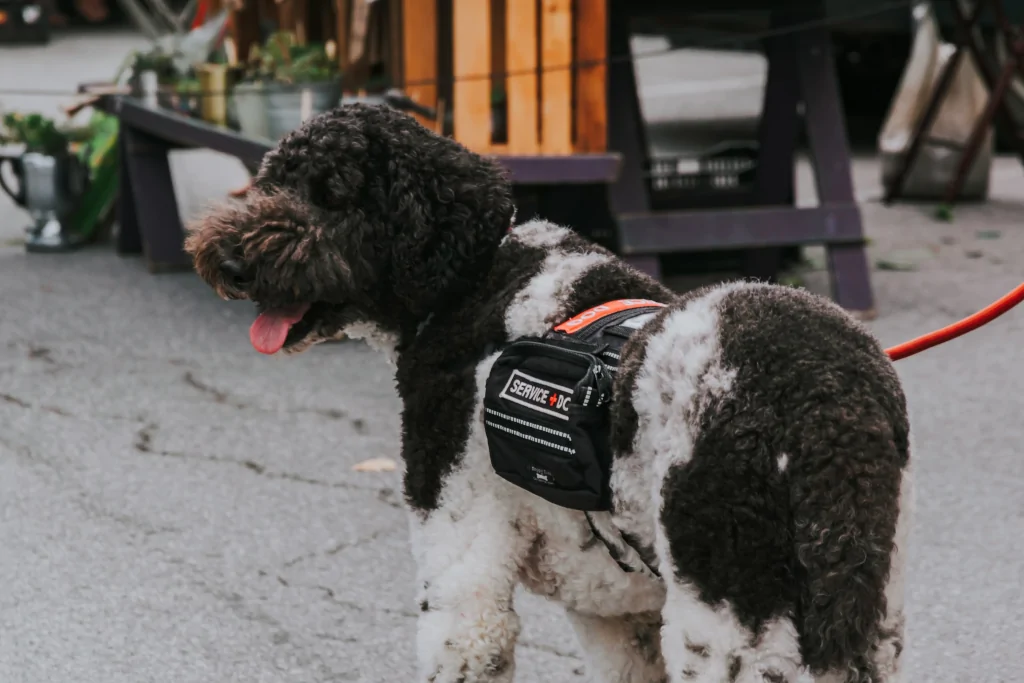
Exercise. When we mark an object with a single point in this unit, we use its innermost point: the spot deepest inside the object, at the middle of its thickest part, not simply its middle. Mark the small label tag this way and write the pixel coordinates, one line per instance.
(541, 476)
(579, 322)
(538, 394)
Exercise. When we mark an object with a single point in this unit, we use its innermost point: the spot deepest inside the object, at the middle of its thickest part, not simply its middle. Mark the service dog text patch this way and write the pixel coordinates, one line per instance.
(538, 394)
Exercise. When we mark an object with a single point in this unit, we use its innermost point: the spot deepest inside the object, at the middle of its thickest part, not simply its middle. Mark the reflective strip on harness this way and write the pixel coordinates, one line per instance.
(584, 319)
(528, 437)
(526, 423)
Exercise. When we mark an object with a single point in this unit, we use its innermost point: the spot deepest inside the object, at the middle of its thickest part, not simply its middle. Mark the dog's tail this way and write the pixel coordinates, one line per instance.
(846, 501)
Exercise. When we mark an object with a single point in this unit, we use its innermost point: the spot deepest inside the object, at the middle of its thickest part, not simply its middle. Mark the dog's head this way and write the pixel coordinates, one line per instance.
(362, 216)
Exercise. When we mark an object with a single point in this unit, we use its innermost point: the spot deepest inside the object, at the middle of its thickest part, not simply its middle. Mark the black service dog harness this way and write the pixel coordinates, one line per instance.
(546, 412)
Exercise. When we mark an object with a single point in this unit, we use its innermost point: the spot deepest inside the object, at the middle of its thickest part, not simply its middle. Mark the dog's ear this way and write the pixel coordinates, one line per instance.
(447, 226)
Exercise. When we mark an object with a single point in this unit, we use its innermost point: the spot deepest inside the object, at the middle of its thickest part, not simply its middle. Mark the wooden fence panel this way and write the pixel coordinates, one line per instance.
(523, 86)
(419, 52)
(556, 76)
(591, 76)
(471, 60)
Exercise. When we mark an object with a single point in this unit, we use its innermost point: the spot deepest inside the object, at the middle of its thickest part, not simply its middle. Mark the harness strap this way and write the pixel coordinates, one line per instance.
(625, 555)
(592, 322)
(590, 316)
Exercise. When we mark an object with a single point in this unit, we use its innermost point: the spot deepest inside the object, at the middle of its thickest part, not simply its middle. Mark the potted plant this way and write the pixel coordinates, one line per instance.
(39, 133)
(284, 84)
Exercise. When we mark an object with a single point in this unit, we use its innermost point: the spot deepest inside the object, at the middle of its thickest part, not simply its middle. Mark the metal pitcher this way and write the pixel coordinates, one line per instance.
(49, 188)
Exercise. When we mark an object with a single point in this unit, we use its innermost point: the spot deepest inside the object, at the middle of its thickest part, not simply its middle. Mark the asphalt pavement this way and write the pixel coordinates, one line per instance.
(175, 507)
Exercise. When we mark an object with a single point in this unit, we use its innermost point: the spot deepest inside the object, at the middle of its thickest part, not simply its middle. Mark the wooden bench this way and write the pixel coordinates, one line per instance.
(147, 210)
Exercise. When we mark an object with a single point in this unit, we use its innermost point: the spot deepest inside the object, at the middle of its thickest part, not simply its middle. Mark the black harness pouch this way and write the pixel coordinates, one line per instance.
(546, 406)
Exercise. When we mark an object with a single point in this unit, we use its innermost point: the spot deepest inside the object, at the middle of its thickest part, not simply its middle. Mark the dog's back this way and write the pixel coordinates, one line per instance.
(773, 431)
(761, 455)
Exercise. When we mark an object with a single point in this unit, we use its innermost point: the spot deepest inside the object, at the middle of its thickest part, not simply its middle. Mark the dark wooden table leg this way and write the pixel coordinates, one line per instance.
(156, 209)
(996, 108)
(129, 241)
(931, 110)
(923, 125)
(978, 133)
(778, 131)
(830, 152)
(966, 35)
(626, 133)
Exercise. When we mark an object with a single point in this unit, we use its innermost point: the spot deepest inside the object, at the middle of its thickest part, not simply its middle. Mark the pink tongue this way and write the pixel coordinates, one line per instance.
(270, 329)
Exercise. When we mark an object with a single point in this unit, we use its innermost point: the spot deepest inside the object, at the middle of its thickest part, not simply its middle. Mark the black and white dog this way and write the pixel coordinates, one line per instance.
(759, 434)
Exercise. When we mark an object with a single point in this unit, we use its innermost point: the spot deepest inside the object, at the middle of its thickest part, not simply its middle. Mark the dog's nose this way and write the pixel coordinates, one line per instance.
(234, 272)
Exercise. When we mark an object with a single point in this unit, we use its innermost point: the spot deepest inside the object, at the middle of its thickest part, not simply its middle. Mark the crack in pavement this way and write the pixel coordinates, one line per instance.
(336, 548)
(40, 354)
(244, 610)
(217, 395)
(84, 498)
(388, 496)
(144, 444)
(9, 398)
(28, 455)
(329, 594)
(57, 410)
(224, 398)
(549, 649)
(45, 354)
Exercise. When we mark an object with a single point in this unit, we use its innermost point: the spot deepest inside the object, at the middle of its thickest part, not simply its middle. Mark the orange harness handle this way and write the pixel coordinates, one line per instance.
(968, 324)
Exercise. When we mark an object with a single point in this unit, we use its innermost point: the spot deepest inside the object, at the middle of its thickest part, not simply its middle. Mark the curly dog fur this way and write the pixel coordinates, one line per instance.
(760, 434)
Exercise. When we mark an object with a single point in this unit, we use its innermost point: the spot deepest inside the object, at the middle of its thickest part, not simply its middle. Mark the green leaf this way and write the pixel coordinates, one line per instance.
(944, 212)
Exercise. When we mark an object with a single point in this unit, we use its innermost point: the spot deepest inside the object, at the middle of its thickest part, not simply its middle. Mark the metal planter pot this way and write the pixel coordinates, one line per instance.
(250, 109)
(287, 106)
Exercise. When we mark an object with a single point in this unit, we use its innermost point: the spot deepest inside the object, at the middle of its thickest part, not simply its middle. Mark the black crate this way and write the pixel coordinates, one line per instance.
(724, 175)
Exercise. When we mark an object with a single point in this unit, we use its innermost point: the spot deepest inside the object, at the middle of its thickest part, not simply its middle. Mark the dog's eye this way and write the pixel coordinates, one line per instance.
(234, 272)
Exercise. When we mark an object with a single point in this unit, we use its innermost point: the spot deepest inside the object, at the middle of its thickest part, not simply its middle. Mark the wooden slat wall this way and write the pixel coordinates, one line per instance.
(285, 15)
(300, 15)
(245, 28)
(522, 87)
(342, 13)
(419, 52)
(556, 76)
(355, 77)
(556, 87)
(471, 59)
(393, 35)
(499, 57)
(591, 76)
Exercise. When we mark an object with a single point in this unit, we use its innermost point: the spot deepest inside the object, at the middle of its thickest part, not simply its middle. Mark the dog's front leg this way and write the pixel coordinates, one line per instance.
(468, 558)
(624, 649)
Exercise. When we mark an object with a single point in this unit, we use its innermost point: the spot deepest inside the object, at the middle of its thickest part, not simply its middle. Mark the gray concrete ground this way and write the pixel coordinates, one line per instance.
(176, 508)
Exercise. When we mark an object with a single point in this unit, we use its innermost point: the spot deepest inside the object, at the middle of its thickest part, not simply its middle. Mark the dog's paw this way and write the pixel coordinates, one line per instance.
(497, 669)
(702, 667)
(472, 665)
(466, 645)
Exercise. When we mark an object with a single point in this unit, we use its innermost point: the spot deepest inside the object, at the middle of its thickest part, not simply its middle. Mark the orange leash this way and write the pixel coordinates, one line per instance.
(972, 322)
